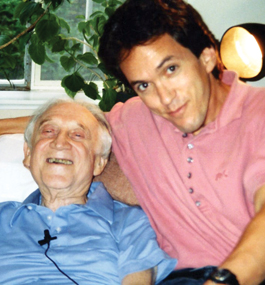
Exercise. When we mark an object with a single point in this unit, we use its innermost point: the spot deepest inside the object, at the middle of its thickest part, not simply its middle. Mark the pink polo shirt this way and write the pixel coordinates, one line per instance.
(196, 190)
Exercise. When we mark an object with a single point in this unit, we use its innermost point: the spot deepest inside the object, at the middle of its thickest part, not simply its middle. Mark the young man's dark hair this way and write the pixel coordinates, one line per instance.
(139, 21)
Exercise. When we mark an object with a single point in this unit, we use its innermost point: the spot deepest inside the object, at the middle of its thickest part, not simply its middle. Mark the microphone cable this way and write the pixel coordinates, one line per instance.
(47, 239)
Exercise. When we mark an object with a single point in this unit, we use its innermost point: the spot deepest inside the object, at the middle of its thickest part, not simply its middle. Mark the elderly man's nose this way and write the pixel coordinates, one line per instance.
(61, 141)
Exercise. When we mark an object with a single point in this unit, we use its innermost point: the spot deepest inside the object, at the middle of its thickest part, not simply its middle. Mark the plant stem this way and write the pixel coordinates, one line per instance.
(78, 40)
(27, 30)
(91, 70)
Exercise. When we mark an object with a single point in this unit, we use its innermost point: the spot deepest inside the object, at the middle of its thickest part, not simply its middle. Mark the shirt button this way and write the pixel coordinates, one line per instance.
(58, 229)
(191, 190)
(29, 207)
(190, 146)
(189, 175)
(198, 203)
(49, 217)
(190, 159)
(184, 135)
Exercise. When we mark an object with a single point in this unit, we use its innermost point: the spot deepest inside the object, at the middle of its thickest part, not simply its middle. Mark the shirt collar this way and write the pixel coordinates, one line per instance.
(98, 201)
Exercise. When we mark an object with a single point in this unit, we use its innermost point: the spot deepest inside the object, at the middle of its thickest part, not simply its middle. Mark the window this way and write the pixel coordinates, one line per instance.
(49, 74)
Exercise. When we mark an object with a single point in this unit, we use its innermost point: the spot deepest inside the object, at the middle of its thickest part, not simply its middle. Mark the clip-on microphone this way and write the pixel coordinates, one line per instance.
(47, 238)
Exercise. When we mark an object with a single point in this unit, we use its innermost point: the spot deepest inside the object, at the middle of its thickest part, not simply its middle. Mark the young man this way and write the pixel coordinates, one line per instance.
(192, 143)
(88, 237)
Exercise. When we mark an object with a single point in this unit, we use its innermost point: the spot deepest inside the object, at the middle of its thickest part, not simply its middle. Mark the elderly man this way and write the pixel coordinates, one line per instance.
(63, 234)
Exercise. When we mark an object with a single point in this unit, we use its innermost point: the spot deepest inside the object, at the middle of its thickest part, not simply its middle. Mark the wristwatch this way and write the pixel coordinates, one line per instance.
(225, 276)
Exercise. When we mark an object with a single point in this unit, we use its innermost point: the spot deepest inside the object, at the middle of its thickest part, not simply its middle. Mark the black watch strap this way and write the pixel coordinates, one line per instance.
(225, 276)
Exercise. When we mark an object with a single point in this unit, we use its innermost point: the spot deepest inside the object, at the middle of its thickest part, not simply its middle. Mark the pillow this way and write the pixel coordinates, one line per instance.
(15, 180)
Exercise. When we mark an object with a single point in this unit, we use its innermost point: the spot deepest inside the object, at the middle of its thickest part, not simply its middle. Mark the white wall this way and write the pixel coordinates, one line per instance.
(220, 15)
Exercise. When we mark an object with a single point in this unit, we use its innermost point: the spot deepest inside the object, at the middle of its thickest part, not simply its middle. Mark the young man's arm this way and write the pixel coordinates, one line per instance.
(117, 183)
(140, 278)
(247, 260)
(13, 125)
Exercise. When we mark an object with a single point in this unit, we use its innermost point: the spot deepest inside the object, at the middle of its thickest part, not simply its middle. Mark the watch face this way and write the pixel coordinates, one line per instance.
(221, 274)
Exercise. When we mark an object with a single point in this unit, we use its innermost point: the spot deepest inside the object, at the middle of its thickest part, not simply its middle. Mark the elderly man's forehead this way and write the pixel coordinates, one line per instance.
(69, 111)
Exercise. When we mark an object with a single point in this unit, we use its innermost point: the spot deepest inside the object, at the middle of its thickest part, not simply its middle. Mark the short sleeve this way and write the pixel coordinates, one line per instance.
(137, 244)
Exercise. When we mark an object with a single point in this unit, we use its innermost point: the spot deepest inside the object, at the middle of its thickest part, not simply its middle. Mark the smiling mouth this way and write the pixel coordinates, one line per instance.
(59, 161)
(178, 111)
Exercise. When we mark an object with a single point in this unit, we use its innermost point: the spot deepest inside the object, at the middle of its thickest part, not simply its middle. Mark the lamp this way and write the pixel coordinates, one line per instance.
(242, 49)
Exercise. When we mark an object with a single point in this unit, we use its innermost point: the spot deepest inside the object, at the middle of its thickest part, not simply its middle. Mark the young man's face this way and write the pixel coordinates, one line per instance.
(172, 81)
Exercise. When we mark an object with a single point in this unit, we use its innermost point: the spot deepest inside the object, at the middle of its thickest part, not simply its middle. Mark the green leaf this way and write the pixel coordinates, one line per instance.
(76, 47)
(27, 11)
(102, 67)
(98, 1)
(101, 24)
(37, 50)
(48, 59)
(88, 57)
(80, 17)
(94, 41)
(4, 39)
(58, 45)
(110, 10)
(67, 91)
(74, 82)
(110, 83)
(47, 28)
(64, 24)
(97, 13)
(10, 61)
(108, 99)
(97, 22)
(84, 27)
(67, 62)
(19, 8)
(91, 91)
(56, 3)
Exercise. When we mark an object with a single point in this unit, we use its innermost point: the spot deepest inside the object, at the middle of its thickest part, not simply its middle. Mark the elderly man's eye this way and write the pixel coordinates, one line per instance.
(47, 131)
(78, 135)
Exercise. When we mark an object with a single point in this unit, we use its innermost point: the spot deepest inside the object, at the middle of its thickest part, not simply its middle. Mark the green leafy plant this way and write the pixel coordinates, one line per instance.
(11, 59)
(48, 33)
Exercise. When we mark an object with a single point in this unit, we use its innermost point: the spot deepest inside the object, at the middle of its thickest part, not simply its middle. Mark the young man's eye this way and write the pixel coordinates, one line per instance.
(171, 69)
(142, 86)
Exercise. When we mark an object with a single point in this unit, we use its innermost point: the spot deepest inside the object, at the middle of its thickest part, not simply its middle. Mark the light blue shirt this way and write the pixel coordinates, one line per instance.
(97, 243)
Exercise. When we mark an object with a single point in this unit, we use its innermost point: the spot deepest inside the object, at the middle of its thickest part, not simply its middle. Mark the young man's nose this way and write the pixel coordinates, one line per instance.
(166, 94)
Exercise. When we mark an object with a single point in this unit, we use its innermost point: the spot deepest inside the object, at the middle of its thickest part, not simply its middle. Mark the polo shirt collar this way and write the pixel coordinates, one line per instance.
(98, 201)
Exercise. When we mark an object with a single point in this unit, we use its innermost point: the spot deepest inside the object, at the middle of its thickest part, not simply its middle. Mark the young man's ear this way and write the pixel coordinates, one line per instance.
(27, 155)
(99, 165)
(209, 59)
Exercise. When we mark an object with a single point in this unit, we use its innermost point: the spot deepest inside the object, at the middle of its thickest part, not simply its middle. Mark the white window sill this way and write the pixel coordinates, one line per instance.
(29, 100)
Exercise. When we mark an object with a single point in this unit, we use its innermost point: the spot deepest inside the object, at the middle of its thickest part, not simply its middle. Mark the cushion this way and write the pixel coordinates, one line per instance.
(15, 180)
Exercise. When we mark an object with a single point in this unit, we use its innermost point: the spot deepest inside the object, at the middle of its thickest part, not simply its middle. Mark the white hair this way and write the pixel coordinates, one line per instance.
(104, 128)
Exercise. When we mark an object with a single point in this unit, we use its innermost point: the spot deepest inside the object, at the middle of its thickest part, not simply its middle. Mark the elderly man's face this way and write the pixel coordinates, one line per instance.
(64, 146)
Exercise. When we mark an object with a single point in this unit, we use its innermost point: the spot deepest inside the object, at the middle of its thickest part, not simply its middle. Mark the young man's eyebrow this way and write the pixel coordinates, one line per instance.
(165, 60)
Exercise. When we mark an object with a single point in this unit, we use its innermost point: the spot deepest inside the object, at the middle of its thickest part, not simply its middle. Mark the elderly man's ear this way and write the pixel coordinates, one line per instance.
(99, 165)
(27, 154)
